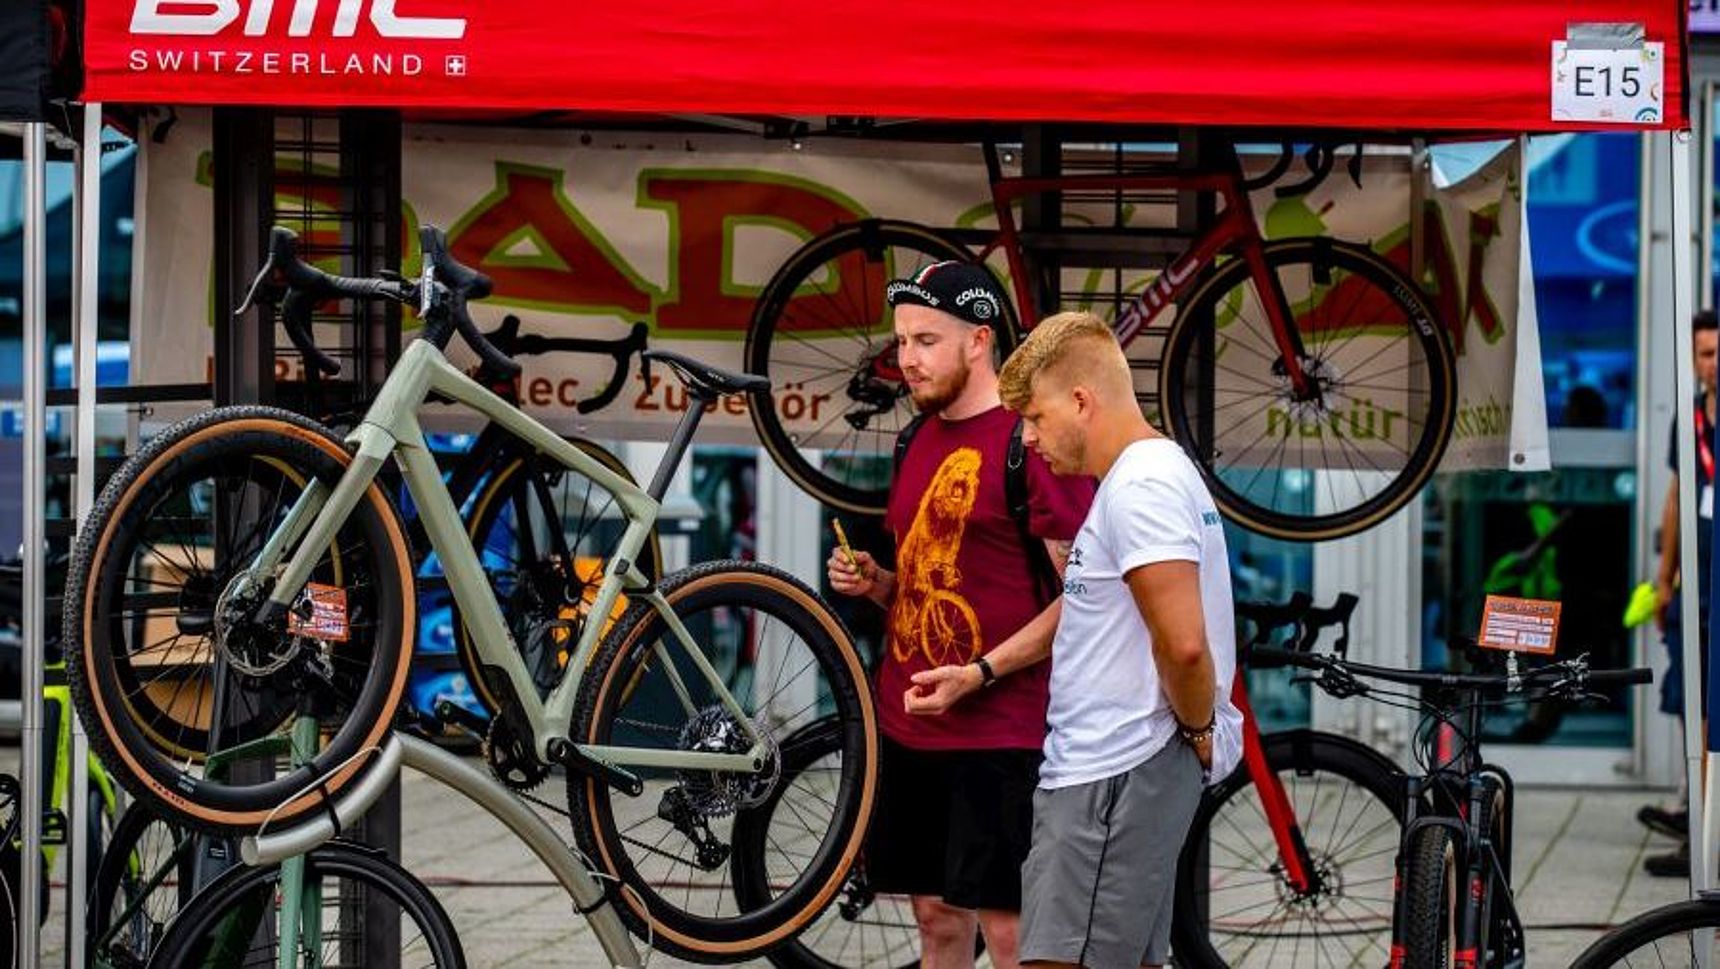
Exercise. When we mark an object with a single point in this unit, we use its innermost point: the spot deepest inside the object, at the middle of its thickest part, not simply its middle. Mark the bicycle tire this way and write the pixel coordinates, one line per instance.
(1293, 511)
(628, 681)
(363, 680)
(228, 911)
(882, 927)
(1345, 796)
(1429, 898)
(866, 252)
(531, 603)
(136, 857)
(1657, 937)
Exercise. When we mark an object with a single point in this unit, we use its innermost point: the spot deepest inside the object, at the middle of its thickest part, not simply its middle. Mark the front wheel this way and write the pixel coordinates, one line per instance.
(1430, 899)
(1234, 903)
(675, 847)
(189, 699)
(821, 331)
(1672, 935)
(359, 907)
(1375, 412)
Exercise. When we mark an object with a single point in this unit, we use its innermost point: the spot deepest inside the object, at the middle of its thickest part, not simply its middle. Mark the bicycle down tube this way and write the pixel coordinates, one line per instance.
(1235, 227)
(391, 427)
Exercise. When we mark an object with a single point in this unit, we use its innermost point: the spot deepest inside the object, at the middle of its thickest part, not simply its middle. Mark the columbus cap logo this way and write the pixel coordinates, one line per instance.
(984, 306)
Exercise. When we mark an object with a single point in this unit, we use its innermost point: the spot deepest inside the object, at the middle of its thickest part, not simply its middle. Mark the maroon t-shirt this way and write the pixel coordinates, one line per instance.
(963, 581)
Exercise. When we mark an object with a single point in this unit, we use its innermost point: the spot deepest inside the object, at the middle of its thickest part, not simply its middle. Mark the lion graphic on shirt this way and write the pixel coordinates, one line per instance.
(930, 613)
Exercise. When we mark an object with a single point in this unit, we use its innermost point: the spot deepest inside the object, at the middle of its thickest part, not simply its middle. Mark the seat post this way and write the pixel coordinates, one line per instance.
(697, 398)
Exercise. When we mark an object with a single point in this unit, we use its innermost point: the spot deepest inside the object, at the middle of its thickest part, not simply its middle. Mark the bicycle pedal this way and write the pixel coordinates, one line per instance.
(456, 715)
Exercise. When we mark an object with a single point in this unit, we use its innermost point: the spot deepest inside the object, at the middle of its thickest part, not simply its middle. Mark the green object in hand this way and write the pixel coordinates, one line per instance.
(1641, 606)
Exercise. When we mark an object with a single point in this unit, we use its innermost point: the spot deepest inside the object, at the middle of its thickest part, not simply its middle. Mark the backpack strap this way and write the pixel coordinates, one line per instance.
(1044, 574)
(904, 437)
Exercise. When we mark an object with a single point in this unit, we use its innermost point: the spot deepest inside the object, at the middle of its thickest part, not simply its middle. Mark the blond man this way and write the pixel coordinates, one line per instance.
(1139, 716)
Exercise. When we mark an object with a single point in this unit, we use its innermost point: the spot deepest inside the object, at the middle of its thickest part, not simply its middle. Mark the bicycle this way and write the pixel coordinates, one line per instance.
(264, 531)
(1285, 358)
(1453, 905)
(1678, 934)
(539, 525)
(1298, 840)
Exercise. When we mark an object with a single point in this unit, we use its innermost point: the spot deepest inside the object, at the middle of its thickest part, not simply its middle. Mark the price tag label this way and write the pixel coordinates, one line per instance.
(1519, 625)
(1609, 85)
(319, 614)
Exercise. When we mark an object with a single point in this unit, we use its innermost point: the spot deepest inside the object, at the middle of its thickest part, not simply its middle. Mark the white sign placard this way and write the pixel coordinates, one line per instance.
(1609, 85)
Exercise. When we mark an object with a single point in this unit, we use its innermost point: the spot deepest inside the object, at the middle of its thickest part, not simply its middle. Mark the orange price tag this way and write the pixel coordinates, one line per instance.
(1519, 625)
(327, 619)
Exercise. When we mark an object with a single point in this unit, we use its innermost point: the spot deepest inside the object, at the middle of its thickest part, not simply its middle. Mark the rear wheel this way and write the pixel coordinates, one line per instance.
(1680, 934)
(544, 532)
(674, 848)
(146, 877)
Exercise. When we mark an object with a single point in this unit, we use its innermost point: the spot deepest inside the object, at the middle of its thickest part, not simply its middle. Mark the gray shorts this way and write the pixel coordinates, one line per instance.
(1097, 884)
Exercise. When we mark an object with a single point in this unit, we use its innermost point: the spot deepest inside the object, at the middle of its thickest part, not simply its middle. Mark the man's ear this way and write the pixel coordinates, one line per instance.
(1083, 399)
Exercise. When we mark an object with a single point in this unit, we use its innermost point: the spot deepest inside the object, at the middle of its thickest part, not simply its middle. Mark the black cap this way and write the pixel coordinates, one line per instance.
(964, 290)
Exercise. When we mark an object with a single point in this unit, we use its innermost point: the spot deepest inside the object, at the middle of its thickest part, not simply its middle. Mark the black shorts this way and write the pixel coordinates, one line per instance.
(953, 824)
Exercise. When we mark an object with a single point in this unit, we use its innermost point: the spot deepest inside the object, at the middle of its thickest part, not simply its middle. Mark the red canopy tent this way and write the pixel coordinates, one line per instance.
(1433, 65)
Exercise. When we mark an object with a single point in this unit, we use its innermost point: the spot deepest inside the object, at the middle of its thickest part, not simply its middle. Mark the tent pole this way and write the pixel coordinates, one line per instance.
(1679, 306)
(86, 302)
(33, 800)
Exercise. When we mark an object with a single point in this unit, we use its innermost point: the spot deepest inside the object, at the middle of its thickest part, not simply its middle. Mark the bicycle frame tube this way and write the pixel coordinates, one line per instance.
(1280, 814)
(1234, 229)
(391, 426)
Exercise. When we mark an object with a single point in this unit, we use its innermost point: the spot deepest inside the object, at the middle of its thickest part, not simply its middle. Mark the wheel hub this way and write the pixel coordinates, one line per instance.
(251, 649)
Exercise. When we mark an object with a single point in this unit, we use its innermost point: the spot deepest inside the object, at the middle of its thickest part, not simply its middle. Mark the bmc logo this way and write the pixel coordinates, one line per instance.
(205, 18)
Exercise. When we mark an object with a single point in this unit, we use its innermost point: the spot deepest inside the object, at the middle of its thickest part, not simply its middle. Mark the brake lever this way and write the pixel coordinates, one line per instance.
(257, 285)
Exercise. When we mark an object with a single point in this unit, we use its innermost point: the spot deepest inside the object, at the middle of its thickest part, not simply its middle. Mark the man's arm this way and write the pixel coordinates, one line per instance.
(1667, 576)
(1168, 596)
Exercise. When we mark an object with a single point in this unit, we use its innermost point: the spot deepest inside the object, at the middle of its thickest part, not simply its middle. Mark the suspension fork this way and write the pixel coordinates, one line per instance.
(1280, 814)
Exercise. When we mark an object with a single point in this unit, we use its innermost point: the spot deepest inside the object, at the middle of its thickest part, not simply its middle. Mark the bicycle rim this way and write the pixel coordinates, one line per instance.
(1672, 935)
(823, 334)
(1347, 810)
(1343, 459)
(366, 908)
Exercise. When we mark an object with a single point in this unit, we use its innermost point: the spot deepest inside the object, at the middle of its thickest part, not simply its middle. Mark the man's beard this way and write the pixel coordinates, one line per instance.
(937, 396)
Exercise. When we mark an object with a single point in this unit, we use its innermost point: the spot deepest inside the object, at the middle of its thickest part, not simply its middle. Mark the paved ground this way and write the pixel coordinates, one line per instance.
(1578, 862)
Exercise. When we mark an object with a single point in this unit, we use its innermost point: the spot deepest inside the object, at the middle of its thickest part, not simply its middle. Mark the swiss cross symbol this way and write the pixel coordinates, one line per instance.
(456, 65)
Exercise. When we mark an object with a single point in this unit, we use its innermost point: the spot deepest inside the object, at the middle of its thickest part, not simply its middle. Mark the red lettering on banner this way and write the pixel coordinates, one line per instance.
(573, 269)
(1458, 297)
(705, 206)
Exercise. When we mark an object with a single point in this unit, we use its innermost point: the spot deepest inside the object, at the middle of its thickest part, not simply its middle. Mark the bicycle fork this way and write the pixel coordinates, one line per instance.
(1296, 863)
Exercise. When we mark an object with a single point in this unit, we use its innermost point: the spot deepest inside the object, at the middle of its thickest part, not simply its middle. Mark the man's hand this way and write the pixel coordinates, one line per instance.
(1203, 751)
(849, 580)
(936, 690)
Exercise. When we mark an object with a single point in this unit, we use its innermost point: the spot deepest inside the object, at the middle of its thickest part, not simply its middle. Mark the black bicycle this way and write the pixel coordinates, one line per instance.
(1453, 908)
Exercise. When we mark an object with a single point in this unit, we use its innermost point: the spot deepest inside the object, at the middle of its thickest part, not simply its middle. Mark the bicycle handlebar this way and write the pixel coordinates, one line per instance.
(508, 339)
(305, 286)
(1576, 670)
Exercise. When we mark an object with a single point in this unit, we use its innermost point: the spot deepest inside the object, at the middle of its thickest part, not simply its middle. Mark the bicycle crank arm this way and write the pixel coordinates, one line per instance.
(570, 756)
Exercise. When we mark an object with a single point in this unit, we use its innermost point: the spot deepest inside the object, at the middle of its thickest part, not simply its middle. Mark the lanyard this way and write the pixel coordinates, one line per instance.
(1704, 440)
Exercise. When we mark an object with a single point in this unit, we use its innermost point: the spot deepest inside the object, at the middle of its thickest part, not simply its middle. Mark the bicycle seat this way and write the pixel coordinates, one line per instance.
(706, 378)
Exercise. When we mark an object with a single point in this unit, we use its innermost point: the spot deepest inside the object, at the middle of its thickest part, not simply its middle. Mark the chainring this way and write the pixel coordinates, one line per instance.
(510, 759)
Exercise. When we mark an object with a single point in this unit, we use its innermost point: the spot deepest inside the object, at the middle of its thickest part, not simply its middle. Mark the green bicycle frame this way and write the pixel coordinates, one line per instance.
(391, 427)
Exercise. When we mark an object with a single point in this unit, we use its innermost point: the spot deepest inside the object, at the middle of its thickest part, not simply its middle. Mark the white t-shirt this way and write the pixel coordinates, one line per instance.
(1108, 712)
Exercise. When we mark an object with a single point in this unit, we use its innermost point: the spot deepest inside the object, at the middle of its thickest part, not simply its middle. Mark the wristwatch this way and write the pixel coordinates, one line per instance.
(986, 676)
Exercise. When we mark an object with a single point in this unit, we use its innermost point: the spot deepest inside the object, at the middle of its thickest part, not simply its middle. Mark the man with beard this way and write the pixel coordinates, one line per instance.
(954, 816)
